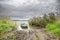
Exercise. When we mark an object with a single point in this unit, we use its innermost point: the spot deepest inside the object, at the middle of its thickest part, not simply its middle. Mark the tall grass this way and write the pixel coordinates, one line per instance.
(6, 25)
(38, 22)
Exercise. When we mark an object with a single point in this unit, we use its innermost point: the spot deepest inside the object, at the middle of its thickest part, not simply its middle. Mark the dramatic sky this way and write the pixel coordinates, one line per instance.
(28, 8)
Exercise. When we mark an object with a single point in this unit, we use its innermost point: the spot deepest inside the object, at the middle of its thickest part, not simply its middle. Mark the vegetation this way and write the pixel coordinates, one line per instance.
(13, 37)
(6, 26)
(54, 28)
(38, 22)
(50, 22)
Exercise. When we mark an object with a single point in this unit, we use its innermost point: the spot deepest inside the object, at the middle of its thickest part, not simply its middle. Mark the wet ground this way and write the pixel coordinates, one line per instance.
(30, 35)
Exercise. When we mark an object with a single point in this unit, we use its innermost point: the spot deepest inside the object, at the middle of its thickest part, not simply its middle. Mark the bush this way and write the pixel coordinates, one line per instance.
(38, 22)
(6, 25)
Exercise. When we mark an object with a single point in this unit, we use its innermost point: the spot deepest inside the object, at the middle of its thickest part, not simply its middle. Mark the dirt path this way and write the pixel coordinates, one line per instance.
(41, 34)
(31, 35)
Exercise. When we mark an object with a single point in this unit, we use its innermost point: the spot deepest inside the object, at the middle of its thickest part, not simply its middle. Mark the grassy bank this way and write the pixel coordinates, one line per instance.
(6, 26)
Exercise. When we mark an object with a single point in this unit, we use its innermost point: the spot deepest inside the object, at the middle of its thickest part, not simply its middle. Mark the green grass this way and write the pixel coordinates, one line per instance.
(54, 28)
(6, 26)
(13, 37)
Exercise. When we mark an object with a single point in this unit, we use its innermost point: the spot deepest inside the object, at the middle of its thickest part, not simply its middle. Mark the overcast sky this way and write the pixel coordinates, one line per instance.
(28, 8)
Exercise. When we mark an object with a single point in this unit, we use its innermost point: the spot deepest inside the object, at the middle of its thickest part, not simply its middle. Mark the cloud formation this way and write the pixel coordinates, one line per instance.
(27, 8)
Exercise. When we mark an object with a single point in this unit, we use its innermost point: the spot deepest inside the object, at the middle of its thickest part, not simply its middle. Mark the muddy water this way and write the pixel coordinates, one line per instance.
(20, 21)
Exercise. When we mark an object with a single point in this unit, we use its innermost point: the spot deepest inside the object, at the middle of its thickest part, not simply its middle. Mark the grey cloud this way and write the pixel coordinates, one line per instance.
(30, 10)
(4, 0)
(58, 5)
(58, 0)
(6, 8)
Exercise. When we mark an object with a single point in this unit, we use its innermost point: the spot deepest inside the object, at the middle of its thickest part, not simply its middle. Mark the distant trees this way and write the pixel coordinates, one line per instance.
(45, 16)
(52, 16)
(49, 18)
